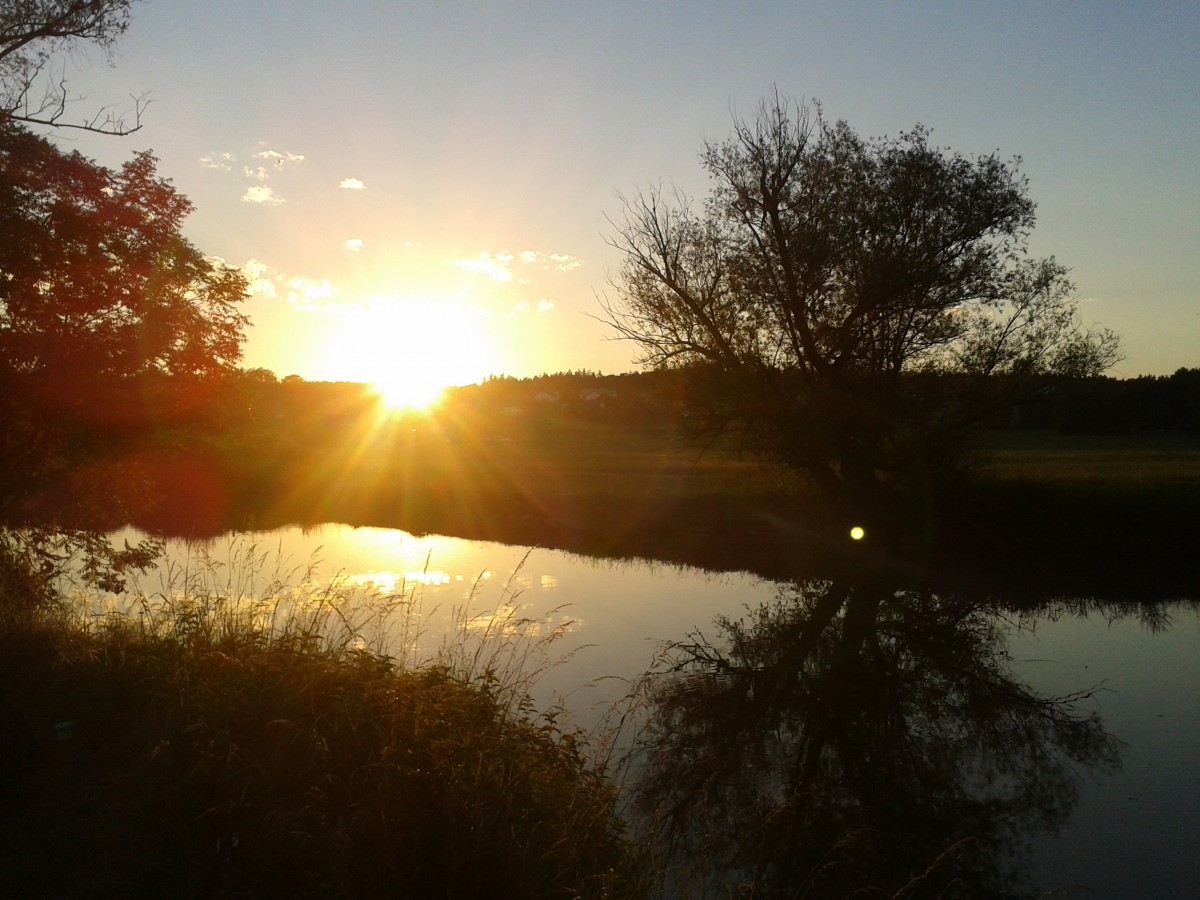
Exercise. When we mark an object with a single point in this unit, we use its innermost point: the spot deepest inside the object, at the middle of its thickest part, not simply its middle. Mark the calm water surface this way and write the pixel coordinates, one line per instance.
(1134, 832)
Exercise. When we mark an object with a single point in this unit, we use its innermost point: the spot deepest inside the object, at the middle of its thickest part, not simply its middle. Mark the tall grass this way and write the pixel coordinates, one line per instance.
(243, 728)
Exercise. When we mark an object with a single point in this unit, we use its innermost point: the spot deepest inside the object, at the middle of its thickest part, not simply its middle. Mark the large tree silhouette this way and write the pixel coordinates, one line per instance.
(826, 273)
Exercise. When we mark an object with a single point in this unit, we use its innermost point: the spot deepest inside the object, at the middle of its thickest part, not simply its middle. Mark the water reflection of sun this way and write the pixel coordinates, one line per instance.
(410, 350)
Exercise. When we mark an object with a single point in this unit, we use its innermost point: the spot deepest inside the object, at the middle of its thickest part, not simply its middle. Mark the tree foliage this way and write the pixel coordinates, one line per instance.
(825, 272)
(32, 34)
(96, 279)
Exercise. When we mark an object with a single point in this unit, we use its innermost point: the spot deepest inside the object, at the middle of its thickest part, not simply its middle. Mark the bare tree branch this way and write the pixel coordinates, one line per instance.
(32, 34)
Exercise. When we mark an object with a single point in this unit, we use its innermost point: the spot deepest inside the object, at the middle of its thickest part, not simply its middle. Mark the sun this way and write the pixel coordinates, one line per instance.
(409, 390)
(410, 350)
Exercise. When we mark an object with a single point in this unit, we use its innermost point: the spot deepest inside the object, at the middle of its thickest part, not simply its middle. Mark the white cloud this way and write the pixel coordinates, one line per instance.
(261, 194)
(302, 291)
(499, 266)
(305, 291)
(563, 262)
(222, 161)
(279, 158)
(494, 265)
(263, 287)
(353, 244)
(258, 174)
(525, 306)
(352, 184)
(253, 268)
(261, 278)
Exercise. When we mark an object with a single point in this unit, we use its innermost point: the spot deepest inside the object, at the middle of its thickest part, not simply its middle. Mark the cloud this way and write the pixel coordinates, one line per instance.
(301, 291)
(263, 287)
(352, 184)
(353, 244)
(261, 279)
(278, 158)
(563, 262)
(499, 265)
(261, 194)
(258, 174)
(494, 265)
(222, 161)
(253, 268)
(304, 291)
(525, 306)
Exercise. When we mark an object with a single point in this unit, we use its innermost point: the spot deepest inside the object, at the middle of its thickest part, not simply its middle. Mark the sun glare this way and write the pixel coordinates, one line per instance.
(410, 351)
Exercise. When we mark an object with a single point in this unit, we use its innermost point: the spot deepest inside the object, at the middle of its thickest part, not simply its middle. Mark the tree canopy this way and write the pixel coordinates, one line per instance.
(96, 279)
(825, 274)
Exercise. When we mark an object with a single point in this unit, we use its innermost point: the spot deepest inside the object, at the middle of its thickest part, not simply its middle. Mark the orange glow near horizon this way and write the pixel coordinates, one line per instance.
(409, 351)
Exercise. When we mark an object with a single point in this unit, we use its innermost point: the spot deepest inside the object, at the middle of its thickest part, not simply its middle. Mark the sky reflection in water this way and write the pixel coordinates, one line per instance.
(1132, 832)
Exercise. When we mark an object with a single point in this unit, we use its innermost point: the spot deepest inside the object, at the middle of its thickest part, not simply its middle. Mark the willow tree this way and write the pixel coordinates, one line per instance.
(854, 304)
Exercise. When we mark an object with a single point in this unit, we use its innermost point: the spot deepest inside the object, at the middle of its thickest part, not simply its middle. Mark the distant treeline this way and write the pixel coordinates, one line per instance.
(254, 413)
(1148, 404)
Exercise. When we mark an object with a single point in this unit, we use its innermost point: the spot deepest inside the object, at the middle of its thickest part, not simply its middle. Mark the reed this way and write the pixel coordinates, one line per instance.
(242, 728)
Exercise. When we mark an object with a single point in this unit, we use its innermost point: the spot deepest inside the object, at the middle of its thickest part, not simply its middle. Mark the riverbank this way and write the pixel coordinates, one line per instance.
(1080, 514)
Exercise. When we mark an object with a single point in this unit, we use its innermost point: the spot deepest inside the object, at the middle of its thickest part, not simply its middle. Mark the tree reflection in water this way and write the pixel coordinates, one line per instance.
(854, 741)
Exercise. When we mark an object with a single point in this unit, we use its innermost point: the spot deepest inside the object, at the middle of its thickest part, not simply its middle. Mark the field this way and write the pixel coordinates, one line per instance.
(1122, 461)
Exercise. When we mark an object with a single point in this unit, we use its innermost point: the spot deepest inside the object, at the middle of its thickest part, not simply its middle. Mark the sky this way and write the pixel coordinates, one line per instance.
(425, 187)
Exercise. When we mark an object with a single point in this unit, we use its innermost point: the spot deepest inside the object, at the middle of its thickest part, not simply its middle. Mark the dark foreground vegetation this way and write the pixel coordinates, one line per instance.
(206, 745)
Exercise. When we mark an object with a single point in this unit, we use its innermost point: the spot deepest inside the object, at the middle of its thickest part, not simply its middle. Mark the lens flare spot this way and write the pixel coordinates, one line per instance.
(857, 533)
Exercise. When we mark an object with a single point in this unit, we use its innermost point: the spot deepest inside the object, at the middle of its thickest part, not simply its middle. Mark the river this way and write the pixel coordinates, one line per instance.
(1130, 831)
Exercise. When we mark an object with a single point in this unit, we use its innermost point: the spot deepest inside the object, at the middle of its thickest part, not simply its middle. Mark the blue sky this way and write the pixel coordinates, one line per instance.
(426, 185)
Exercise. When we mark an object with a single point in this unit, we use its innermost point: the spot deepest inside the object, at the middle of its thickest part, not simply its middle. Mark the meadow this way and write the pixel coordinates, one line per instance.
(1110, 461)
